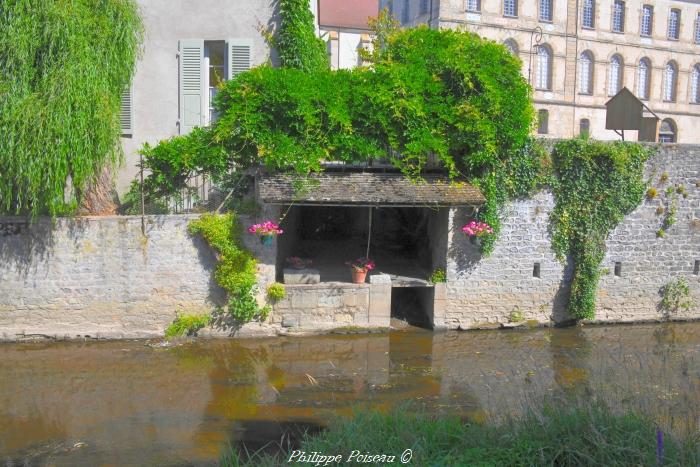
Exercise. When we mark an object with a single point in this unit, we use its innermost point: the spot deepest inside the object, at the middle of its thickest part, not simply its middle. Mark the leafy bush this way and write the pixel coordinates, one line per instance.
(236, 268)
(63, 67)
(187, 325)
(596, 185)
(296, 43)
(675, 296)
(438, 276)
(276, 291)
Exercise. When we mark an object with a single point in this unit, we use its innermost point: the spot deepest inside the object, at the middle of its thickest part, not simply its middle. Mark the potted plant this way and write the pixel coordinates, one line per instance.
(267, 230)
(298, 263)
(476, 231)
(359, 269)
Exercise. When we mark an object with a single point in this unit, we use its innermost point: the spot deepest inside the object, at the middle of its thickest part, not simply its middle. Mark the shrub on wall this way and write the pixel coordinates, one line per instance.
(296, 41)
(236, 268)
(63, 68)
(596, 185)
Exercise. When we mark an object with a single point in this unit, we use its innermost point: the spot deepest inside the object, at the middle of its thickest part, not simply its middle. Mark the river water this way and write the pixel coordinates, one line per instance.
(134, 402)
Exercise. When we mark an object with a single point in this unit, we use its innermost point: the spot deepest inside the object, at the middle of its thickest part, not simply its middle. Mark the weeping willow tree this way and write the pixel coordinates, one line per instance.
(63, 67)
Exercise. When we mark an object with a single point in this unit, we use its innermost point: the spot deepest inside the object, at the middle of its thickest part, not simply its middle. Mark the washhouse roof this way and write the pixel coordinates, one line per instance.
(366, 189)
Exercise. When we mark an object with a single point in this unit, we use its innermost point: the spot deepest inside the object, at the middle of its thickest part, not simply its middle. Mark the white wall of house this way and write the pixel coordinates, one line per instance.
(157, 90)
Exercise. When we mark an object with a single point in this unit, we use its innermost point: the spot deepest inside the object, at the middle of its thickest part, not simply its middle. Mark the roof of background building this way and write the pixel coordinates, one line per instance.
(366, 189)
(347, 14)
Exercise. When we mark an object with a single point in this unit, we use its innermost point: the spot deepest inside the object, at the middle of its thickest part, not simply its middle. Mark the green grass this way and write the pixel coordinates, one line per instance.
(579, 435)
(187, 325)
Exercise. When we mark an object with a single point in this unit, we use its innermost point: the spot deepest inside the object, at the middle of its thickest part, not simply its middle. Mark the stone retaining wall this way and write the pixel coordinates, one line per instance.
(487, 291)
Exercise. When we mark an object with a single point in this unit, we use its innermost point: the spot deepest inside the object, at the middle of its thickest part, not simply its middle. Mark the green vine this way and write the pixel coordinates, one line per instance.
(296, 41)
(63, 67)
(596, 185)
(236, 269)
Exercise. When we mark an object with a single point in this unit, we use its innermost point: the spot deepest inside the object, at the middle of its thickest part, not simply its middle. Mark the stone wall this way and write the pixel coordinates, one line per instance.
(100, 277)
(487, 291)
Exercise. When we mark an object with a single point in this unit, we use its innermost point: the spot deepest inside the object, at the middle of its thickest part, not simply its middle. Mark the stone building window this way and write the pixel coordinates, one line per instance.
(405, 11)
(618, 16)
(543, 122)
(696, 267)
(584, 127)
(589, 14)
(536, 270)
(647, 20)
(668, 132)
(695, 85)
(474, 6)
(423, 7)
(674, 24)
(616, 71)
(544, 68)
(546, 10)
(670, 82)
(586, 73)
(643, 78)
(618, 269)
(697, 29)
(512, 46)
(510, 8)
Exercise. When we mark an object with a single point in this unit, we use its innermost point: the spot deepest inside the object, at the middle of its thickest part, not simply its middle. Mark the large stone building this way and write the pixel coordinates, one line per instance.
(588, 50)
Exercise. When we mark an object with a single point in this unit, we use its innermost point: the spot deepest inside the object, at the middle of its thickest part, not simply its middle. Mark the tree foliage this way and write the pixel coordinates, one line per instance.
(596, 185)
(63, 67)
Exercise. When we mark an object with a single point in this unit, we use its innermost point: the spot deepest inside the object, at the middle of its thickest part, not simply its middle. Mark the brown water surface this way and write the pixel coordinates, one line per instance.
(126, 402)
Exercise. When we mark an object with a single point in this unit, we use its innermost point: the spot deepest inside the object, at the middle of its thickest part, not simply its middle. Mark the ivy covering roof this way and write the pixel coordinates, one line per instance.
(366, 189)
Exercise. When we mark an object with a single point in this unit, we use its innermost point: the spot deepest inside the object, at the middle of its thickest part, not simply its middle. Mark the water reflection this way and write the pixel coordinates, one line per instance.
(128, 403)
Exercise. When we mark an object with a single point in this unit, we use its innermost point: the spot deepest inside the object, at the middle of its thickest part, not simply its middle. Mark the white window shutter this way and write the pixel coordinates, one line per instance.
(239, 55)
(126, 112)
(191, 84)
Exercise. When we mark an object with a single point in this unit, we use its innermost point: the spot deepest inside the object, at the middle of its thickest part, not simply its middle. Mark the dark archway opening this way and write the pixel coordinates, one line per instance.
(412, 306)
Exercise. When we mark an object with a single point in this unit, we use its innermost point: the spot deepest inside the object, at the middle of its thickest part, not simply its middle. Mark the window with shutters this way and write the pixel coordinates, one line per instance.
(512, 46)
(588, 14)
(126, 112)
(615, 78)
(586, 73)
(670, 82)
(618, 16)
(584, 127)
(423, 7)
(647, 24)
(643, 78)
(674, 24)
(542, 121)
(544, 68)
(697, 29)
(695, 85)
(546, 10)
(474, 6)
(510, 8)
(214, 75)
(204, 66)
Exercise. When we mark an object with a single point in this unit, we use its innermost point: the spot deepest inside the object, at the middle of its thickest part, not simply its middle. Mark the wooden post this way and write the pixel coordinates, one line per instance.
(369, 232)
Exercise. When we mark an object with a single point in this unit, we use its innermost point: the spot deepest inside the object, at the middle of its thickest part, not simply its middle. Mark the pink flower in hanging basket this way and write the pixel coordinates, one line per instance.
(265, 228)
(477, 229)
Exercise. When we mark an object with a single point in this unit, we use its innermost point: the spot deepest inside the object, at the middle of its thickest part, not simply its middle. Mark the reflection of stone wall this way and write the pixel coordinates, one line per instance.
(487, 290)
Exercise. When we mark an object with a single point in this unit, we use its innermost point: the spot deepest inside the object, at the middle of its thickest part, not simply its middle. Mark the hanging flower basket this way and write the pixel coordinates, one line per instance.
(359, 269)
(476, 231)
(267, 231)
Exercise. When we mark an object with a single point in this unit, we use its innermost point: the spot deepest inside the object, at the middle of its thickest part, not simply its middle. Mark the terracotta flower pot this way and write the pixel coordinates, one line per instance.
(358, 275)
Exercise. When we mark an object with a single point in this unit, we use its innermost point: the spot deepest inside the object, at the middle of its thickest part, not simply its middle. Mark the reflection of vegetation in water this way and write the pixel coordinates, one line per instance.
(570, 349)
(566, 434)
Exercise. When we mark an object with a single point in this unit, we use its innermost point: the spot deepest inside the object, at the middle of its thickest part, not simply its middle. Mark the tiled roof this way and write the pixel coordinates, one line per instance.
(347, 14)
(364, 189)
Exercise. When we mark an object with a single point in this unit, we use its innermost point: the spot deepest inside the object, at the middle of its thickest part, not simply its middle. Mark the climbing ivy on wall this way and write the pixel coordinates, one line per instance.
(296, 41)
(236, 268)
(63, 67)
(596, 184)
